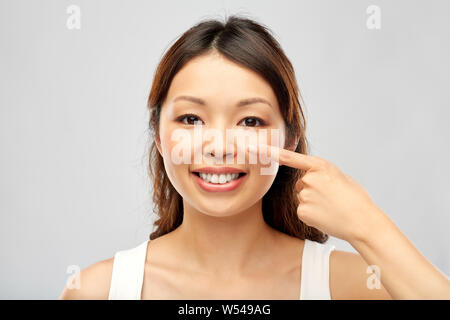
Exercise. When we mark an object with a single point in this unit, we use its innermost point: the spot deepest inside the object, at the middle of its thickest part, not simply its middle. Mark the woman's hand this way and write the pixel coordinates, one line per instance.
(330, 200)
(337, 205)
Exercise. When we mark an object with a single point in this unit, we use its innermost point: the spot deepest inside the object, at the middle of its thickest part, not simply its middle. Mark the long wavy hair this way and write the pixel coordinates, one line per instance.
(251, 45)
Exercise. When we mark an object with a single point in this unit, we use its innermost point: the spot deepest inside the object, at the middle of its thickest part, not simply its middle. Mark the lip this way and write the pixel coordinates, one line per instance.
(215, 187)
(218, 170)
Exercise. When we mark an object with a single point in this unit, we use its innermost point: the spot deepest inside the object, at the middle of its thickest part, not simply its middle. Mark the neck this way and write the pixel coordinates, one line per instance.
(225, 246)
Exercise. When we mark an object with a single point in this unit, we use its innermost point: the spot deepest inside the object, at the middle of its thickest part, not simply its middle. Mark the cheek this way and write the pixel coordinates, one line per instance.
(175, 144)
(261, 184)
(167, 143)
(274, 135)
(178, 175)
(176, 166)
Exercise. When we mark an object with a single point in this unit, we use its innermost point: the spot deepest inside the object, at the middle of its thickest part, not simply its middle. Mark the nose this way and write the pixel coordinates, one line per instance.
(219, 157)
(215, 142)
(221, 149)
(222, 143)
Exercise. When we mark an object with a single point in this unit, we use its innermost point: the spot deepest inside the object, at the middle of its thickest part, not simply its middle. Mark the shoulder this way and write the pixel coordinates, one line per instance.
(91, 283)
(351, 278)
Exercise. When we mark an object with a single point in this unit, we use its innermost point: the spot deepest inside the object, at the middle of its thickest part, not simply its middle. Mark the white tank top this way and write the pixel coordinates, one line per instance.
(128, 272)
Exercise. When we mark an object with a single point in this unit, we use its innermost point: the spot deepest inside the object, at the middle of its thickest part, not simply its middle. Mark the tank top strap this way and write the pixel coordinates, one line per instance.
(315, 277)
(128, 273)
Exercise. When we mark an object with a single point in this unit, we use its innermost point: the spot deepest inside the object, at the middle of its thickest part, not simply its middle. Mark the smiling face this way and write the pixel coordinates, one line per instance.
(216, 93)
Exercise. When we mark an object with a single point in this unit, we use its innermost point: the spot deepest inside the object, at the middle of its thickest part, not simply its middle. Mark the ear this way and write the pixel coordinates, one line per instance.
(158, 144)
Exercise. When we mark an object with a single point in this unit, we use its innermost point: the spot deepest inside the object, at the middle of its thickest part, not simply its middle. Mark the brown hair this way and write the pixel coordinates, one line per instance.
(251, 45)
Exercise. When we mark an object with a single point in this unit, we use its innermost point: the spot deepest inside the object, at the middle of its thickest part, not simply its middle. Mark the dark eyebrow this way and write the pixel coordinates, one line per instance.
(241, 103)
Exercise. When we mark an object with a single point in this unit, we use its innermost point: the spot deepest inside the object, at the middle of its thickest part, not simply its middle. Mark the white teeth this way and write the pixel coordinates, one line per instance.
(219, 178)
(222, 178)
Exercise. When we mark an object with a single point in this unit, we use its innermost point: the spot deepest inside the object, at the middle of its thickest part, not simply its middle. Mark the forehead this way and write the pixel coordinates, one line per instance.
(214, 77)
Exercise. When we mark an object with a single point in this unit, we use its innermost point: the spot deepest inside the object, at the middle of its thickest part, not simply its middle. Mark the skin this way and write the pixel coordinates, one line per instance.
(225, 250)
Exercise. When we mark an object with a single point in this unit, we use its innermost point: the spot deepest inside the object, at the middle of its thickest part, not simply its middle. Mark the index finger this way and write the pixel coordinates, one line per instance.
(284, 156)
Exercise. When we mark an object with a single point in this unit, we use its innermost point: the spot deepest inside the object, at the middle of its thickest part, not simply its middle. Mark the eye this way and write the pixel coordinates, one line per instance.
(253, 122)
(189, 119)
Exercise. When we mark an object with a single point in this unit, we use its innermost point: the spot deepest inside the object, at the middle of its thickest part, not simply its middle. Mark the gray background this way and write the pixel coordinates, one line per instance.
(73, 119)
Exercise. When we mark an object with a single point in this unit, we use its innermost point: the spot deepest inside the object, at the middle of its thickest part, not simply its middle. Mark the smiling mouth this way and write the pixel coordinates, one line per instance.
(219, 179)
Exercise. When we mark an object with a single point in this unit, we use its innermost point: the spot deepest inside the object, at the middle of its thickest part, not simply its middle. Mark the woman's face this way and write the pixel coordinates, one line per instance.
(221, 84)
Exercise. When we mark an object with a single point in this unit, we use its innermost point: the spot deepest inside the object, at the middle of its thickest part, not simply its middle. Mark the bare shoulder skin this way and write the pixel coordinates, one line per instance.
(95, 281)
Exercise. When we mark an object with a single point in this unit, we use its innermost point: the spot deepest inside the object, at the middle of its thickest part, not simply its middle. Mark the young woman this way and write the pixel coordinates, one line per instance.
(236, 233)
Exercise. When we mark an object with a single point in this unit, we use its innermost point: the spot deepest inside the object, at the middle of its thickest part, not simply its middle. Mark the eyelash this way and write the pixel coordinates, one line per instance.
(261, 122)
